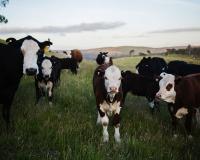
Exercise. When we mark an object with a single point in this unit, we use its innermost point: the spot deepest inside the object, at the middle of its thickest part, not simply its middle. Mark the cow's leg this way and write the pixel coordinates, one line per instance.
(157, 105)
(104, 122)
(98, 118)
(188, 123)
(116, 123)
(6, 114)
(50, 92)
(151, 105)
(173, 118)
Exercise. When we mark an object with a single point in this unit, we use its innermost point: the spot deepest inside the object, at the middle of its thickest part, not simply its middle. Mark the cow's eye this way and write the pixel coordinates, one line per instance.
(169, 86)
(105, 78)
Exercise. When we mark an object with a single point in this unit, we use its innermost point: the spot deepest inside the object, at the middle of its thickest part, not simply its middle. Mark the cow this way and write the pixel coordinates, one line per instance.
(108, 93)
(77, 55)
(18, 57)
(151, 66)
(182, 68)
(183, 95)
(67, 54)
(140, 86)
(103, 58)
(66, 63)
(47, 78)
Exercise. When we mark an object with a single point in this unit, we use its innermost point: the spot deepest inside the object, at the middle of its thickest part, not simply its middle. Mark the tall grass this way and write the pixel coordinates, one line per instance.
(67, 129)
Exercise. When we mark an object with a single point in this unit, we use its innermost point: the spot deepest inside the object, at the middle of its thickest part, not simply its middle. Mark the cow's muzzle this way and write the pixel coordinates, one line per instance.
(31, 71)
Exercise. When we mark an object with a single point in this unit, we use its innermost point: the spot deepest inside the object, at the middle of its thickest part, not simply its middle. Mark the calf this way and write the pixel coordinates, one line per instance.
(183, 93)
(108, 93)
(102, 58)
(46, 79)
(141, 86)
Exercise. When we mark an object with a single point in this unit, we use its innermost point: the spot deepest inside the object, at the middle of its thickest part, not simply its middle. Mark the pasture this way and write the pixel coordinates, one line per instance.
(67, 130)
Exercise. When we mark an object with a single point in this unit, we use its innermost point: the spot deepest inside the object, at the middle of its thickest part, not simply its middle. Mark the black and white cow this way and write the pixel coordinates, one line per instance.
(17, 58)
(151, 66)
(108, 93)
(47, 78)
(140, 86)
(182, 68)
(183, 95)
(103, 58)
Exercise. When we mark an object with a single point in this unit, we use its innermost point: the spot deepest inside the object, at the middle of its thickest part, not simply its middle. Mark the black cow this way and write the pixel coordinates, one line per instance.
(16, 58)
(182, 68)
(151, 66)
(140, 86)
(67, 63)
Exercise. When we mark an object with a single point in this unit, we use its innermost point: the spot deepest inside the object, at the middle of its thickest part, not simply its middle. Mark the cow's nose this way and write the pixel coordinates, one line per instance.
(31, 71)
(158, 95)
(113, 89)
(46, 76)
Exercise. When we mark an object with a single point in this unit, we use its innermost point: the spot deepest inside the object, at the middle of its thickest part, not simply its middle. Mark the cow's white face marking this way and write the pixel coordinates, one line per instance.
(29, 49)
(181, 112)
(136, 70)
(68, 55)
(112, 81)
(167, 92)
(107, 60)
(46, 68)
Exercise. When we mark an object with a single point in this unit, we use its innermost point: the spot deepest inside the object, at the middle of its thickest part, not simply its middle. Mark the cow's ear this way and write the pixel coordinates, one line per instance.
(100, 73)
(123, 73)
(45, 44)
(178, 79)
(157, 78)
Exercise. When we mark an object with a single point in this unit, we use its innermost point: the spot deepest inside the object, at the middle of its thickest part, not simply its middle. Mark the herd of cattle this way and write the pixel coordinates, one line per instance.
(177, 83)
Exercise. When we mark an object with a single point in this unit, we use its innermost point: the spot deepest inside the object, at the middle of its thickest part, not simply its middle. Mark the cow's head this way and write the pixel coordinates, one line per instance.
(143, 67)
(30, 49)
(167, 91)
(46, 68)
(112, 81)
(103, 58)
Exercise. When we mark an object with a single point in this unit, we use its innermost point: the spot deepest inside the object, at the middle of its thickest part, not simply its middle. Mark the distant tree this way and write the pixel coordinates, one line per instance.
(148, 51)
(3, 3)
(189, 49)
(131, 52)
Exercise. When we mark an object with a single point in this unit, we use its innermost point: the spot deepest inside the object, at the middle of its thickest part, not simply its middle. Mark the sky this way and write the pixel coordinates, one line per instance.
(84, 24)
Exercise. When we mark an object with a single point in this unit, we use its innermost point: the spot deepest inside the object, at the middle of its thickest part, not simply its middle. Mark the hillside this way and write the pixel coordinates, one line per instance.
(2, 41)
(123, 51)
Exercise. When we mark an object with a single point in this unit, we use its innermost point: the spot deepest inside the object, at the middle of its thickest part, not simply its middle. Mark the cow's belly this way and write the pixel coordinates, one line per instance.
(110, 108)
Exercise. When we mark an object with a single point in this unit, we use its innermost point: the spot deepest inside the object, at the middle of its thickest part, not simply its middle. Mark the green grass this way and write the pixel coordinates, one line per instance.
(67, 130)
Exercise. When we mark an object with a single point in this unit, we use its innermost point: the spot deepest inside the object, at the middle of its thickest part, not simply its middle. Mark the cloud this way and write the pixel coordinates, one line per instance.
(177, 30)
(66, 29)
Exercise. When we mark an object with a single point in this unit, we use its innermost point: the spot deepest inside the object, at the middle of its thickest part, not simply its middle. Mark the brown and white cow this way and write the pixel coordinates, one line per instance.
(183, 93)
(108, 92)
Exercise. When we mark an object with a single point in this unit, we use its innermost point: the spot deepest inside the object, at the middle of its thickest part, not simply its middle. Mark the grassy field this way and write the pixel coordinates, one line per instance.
(67, 130)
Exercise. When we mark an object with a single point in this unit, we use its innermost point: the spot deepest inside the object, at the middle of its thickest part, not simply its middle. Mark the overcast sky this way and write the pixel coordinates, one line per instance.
(98, 23)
